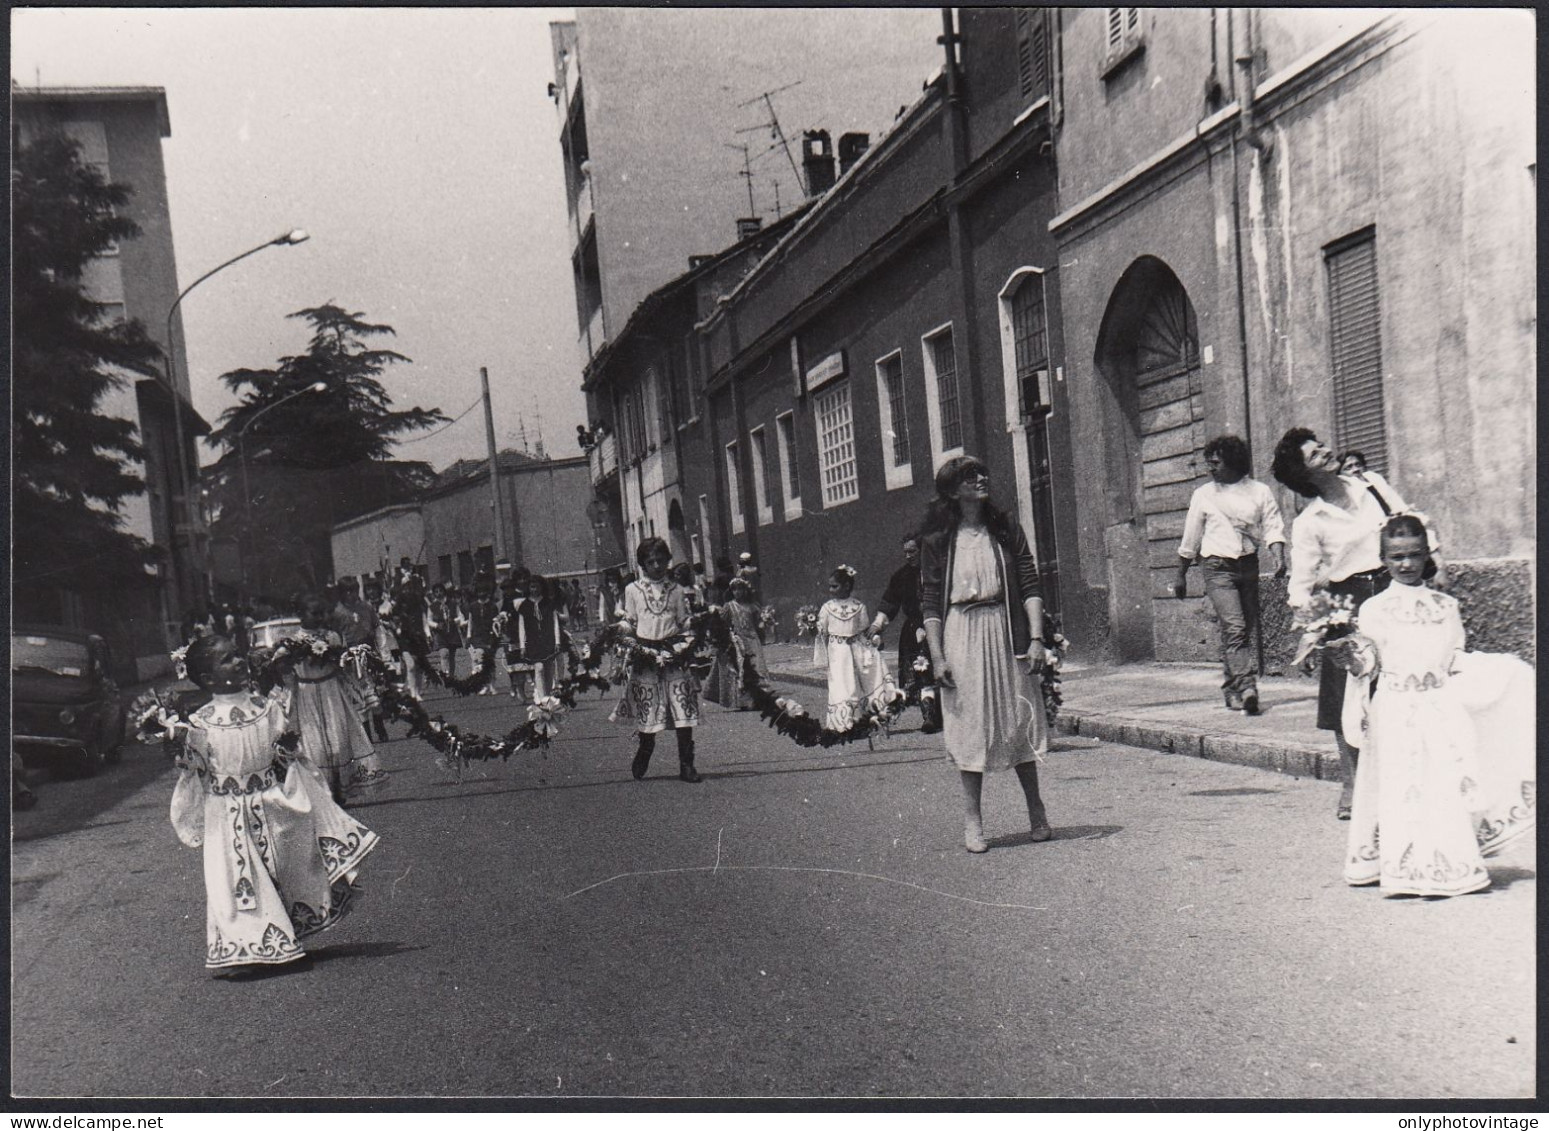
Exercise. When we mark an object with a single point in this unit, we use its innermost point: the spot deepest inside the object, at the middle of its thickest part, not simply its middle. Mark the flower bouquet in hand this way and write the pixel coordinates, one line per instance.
(807, 620)
(1324, 622)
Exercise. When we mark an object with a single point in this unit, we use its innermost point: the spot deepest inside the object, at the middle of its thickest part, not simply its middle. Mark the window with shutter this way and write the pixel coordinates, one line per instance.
(1355, 342)
(1032, 27)
(1125, 38)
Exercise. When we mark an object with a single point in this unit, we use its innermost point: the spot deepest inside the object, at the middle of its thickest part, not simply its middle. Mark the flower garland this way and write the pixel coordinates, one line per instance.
(789, 718)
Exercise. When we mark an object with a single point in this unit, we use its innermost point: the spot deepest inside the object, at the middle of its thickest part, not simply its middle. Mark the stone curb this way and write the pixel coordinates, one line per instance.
(1298, 759)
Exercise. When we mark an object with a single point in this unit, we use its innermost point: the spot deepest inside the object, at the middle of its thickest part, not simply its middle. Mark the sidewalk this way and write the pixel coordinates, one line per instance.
(1173, 707)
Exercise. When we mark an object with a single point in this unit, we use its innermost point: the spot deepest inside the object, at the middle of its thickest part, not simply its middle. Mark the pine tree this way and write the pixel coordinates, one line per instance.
(72, 463)
(312, 458)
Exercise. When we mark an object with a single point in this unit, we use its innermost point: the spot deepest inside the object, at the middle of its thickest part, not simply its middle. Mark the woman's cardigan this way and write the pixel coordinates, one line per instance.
(1016, 584)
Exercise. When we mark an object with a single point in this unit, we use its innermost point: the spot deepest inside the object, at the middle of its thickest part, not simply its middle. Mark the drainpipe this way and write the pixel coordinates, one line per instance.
(1245, 121)
(1247, 60)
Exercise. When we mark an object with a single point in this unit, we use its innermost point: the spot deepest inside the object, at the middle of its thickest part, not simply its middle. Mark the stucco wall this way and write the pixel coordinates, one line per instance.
(361, 547)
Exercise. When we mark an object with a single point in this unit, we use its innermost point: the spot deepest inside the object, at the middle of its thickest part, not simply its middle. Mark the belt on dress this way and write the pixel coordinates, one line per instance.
(253, 783)
(988, 602)
(1430, 681)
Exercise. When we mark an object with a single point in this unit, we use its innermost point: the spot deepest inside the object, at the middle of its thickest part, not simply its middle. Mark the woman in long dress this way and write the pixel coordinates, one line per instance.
(1446, 776)
(858, 679)
(280, 858)
(984, 627)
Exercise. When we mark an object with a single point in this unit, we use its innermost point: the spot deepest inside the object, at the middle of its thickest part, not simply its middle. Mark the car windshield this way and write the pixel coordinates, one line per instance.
(48, 653)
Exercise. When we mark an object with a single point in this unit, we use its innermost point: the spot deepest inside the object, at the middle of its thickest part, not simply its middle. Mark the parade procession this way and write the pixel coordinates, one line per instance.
(1129, 399)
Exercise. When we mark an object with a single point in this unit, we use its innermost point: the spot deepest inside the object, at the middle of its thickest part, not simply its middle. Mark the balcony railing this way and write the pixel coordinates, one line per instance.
(604, 459)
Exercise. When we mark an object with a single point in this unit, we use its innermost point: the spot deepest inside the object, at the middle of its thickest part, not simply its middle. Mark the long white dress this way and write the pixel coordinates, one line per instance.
(280, 858)
(1447, 774)
(994, 718)
(858, 679)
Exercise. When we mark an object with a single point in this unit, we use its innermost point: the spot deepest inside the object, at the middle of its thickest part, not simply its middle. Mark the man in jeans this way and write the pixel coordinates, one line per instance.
(1229, 519)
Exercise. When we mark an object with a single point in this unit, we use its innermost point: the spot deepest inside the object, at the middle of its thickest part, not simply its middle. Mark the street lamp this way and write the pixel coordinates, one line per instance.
(185, 481)
(247, 499)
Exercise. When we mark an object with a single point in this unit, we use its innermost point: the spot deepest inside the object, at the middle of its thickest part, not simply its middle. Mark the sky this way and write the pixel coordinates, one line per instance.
(419, 149)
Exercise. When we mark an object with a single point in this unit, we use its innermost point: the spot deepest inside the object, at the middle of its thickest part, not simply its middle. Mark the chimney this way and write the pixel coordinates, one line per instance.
(817, 160)
(851, 146)
(747, 227)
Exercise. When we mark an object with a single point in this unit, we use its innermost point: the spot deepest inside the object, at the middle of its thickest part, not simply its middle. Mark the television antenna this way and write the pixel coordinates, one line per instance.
(746, 173)
(773, 124)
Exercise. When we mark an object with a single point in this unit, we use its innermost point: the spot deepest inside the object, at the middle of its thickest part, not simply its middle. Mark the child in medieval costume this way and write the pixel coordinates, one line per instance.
(328, 707)
(661, 693)
(725, 683)
(858, 680)
(522, 627)
(1446, 775)
(280, 858)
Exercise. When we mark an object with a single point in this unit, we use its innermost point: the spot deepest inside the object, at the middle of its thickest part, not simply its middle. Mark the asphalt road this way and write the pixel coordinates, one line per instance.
(801, 924)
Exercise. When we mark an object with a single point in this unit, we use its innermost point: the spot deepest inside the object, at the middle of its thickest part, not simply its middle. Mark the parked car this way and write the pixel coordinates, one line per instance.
(66, 710)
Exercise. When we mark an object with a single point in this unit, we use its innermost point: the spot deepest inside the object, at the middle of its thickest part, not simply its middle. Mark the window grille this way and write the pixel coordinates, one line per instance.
(1030, 335)
(761, 476)
(1355, 340)
(944, 355)
(790, 475)
(836, 446)
(734, 487)
(893, 385)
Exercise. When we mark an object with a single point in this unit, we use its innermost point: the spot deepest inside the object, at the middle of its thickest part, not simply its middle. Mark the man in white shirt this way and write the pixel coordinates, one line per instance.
(1229, 519)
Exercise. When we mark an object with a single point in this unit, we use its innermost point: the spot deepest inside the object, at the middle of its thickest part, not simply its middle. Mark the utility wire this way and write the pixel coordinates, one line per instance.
(477, 402)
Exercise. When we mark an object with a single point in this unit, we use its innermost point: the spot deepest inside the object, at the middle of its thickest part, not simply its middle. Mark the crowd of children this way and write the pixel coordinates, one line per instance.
(1448, 774)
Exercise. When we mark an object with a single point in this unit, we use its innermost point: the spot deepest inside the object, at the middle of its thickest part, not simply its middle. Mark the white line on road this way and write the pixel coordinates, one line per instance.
(821, 871)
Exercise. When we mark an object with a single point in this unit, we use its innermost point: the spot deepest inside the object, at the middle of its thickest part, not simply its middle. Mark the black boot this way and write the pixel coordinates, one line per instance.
(642, 761)
(930, 714)
(686, 771)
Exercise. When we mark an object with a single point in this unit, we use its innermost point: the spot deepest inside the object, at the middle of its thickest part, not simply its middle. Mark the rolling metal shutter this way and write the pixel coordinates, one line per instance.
(1356, 344)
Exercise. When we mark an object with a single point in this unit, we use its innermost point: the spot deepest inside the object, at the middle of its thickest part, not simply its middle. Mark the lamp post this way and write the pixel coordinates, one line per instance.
(185, 481)
(247, 499)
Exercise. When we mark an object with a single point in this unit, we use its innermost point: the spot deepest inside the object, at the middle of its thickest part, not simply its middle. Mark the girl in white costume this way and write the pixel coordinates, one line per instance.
(280, 858)
(1447, 773)
(858, 679)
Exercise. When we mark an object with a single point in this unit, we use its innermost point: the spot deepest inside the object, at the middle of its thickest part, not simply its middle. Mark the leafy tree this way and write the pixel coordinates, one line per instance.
(72, 464)
(312, 458)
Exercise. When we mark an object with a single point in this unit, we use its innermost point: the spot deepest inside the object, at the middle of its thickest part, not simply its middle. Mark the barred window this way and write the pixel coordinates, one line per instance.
(836, 446)
(734, 487)
(942, 358)
(1030, 335)
(790, 477)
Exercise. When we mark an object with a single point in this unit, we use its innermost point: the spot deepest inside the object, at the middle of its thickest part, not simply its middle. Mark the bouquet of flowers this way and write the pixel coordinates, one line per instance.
(1324, 620)
(767, 616)
(807, 620)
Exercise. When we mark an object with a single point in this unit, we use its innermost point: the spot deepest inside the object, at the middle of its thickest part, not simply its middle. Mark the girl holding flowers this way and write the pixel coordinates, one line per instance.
(328, 706)
(661, 693)
(1446, 775)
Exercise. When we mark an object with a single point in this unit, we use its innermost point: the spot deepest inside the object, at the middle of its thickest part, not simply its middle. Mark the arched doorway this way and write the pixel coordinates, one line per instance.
(1148, 356)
